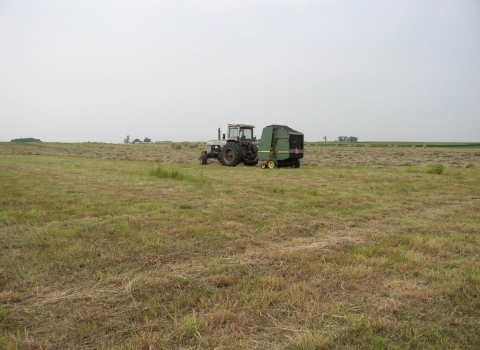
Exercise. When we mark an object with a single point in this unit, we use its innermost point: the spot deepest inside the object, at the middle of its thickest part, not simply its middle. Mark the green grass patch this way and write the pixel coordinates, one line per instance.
(437, 169)
(163, 173)
(169, 174)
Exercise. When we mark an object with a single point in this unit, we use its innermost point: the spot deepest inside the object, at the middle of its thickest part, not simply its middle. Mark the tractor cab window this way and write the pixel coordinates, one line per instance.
(246, 134)
(232, 133)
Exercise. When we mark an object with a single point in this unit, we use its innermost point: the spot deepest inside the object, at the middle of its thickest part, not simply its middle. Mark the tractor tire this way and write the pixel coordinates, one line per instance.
(231, 154)
(264, 166)
(203, 158)
(255, 157)
(254, 150)
(272, 164)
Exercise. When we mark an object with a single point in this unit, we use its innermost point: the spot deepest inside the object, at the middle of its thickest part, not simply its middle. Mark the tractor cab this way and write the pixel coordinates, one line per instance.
(240, 132)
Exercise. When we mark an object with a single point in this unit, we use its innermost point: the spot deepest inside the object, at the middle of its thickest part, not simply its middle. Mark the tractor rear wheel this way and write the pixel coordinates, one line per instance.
(253, 160)
(231, 154)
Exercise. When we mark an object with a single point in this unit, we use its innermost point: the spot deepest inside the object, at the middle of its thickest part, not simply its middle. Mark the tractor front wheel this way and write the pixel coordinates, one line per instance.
(231, 154)
(203, 158)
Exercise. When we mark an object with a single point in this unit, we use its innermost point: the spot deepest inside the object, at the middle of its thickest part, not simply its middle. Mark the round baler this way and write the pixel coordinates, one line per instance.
(280, 146)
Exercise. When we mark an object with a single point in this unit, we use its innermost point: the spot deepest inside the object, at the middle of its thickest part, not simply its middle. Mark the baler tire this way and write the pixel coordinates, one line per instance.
(295, 163)
(272, 164)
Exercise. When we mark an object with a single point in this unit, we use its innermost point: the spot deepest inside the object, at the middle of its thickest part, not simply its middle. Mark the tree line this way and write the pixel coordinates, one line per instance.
(26, 139)
(347, 138)
(146, 139)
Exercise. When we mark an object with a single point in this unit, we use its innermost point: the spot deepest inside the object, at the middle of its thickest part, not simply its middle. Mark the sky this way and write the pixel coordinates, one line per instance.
(99, 70)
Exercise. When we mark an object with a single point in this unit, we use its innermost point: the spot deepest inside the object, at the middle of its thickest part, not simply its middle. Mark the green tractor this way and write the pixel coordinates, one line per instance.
(280, 146)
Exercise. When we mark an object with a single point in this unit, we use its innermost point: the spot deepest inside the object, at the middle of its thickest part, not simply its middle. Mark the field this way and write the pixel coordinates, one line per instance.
(138, 247)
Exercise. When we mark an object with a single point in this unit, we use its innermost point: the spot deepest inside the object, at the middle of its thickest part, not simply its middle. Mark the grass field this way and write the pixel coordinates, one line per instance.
(138, 247)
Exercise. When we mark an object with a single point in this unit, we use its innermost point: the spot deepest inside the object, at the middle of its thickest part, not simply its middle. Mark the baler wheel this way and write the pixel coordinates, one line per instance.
(272, 164)
(295, 164)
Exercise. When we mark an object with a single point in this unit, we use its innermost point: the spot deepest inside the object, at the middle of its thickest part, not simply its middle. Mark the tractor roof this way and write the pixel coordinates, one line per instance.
(241, 125)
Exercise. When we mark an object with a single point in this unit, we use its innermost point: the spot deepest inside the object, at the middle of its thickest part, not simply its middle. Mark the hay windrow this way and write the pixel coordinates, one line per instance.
(365, 156)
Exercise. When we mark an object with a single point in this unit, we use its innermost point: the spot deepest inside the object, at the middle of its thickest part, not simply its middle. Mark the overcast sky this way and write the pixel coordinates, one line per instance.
(99, 70)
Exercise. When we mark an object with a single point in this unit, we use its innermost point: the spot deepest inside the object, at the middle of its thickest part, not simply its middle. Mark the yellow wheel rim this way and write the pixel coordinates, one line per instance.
(271, 164)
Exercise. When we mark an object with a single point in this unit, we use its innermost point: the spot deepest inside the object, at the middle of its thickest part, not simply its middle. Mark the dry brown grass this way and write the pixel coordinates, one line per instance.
(7, 297)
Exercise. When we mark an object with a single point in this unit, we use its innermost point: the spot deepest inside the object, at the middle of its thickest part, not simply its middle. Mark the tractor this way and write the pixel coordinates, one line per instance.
(237, 147)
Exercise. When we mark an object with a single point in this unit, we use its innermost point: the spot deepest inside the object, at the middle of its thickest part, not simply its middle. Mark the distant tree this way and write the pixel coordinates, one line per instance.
(136, 141)
(147, 140)
(127, 140)
(28, 139)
